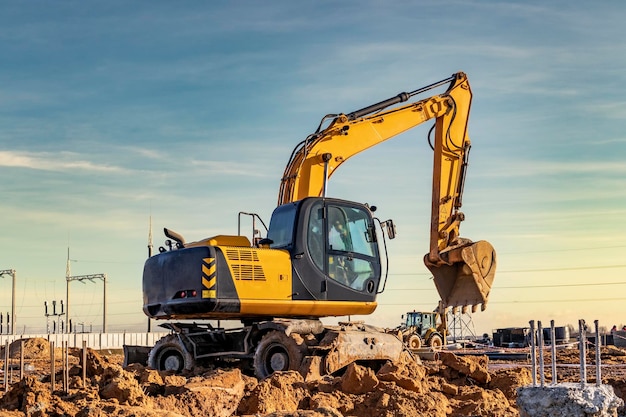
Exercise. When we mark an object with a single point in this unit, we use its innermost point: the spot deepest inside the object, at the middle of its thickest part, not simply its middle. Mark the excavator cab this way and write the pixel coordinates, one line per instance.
(335, 255)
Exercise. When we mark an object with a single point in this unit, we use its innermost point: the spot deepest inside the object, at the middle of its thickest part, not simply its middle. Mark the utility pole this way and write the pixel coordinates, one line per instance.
(12, 273)
(150, 238)
(82, 278)
(149, 255)
(68, 273)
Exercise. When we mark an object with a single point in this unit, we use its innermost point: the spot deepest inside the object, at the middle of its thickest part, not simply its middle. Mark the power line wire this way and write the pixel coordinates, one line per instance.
(592, 284)
(573, 268)
(539, 251)
(575, 300)
(565, 250)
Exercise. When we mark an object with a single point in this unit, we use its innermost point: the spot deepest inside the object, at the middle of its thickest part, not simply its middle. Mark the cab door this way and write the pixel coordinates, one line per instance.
(342, 249)
(333, 247)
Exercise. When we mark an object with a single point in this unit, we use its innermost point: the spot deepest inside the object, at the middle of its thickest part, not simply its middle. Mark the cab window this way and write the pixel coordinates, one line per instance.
(281, 226)
(339, 244)
(349, 230)
(315, 236)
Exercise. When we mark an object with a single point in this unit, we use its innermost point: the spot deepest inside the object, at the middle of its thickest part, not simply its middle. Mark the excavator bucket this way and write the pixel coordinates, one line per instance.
(465, 277)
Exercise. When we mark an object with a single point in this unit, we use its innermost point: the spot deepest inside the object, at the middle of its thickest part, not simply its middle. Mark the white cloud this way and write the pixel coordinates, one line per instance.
(519, 168)
(608, 141)
(229, 168)
(47, 161)
(612, 110)
(149, 153)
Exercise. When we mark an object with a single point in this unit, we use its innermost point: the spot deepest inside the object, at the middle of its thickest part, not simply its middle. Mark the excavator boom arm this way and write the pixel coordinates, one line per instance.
(315, 160)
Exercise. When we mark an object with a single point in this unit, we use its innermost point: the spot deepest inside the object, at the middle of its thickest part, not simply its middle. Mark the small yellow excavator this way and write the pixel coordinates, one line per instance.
(320, 257)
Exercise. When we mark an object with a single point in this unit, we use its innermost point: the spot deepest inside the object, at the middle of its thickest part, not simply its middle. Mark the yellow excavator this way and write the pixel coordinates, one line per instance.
(320, 257)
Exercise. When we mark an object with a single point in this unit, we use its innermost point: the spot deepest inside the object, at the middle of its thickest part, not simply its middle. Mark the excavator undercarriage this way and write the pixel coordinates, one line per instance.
(269, 346)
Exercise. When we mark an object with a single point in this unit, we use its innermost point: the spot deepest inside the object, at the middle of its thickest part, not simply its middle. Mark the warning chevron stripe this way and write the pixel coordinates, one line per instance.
(208, 278)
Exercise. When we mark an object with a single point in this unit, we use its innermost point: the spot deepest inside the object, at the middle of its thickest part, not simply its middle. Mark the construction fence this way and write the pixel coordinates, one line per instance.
(97, 341)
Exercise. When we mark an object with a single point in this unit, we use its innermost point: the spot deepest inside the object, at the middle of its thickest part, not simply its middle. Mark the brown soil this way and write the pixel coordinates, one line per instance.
(453, 385)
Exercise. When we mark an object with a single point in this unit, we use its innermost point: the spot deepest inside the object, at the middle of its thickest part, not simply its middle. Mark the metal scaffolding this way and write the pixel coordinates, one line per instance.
(460, 326)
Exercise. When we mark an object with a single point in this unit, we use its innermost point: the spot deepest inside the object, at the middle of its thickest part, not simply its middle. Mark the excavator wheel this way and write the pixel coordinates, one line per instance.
(414, 342)
(435, 342)
(169, 354)
(276, 352)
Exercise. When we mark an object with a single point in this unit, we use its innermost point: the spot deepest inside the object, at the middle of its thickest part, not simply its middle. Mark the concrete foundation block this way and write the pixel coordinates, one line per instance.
(569, 400)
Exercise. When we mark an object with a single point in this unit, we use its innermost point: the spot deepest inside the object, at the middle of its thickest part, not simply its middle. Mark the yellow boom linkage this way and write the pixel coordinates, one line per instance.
(463, 270)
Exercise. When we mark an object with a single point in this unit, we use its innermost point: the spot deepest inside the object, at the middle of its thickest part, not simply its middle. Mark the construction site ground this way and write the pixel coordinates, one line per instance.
(452, 384)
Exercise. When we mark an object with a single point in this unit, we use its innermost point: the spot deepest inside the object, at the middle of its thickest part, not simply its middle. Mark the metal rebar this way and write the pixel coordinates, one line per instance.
(21, 359)
(582, 340)
(533, 358)
(67, 366)
(66, 382)
(52, 369)
(542, 376)
(63, 365)
(598, 345)
(84, 363)
(553, 350)
(6, 366)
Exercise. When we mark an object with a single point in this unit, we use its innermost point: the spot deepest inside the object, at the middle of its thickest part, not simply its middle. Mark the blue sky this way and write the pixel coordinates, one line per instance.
(112, 112)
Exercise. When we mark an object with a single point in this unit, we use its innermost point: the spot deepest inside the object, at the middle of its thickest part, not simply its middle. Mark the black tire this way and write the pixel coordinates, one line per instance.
(414, 342)
(169, 354)
(435, 342)
(277, 352)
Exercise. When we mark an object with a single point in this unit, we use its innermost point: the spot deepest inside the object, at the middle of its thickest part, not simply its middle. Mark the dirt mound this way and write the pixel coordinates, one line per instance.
(215, 394)
(475, 401)
(447, 388)
(453, 386)
(474, 367)
(508, 380)
(34, 348)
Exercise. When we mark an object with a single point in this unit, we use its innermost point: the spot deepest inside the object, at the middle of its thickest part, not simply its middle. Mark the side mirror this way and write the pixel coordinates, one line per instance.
(264, 243)
(391, 228)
